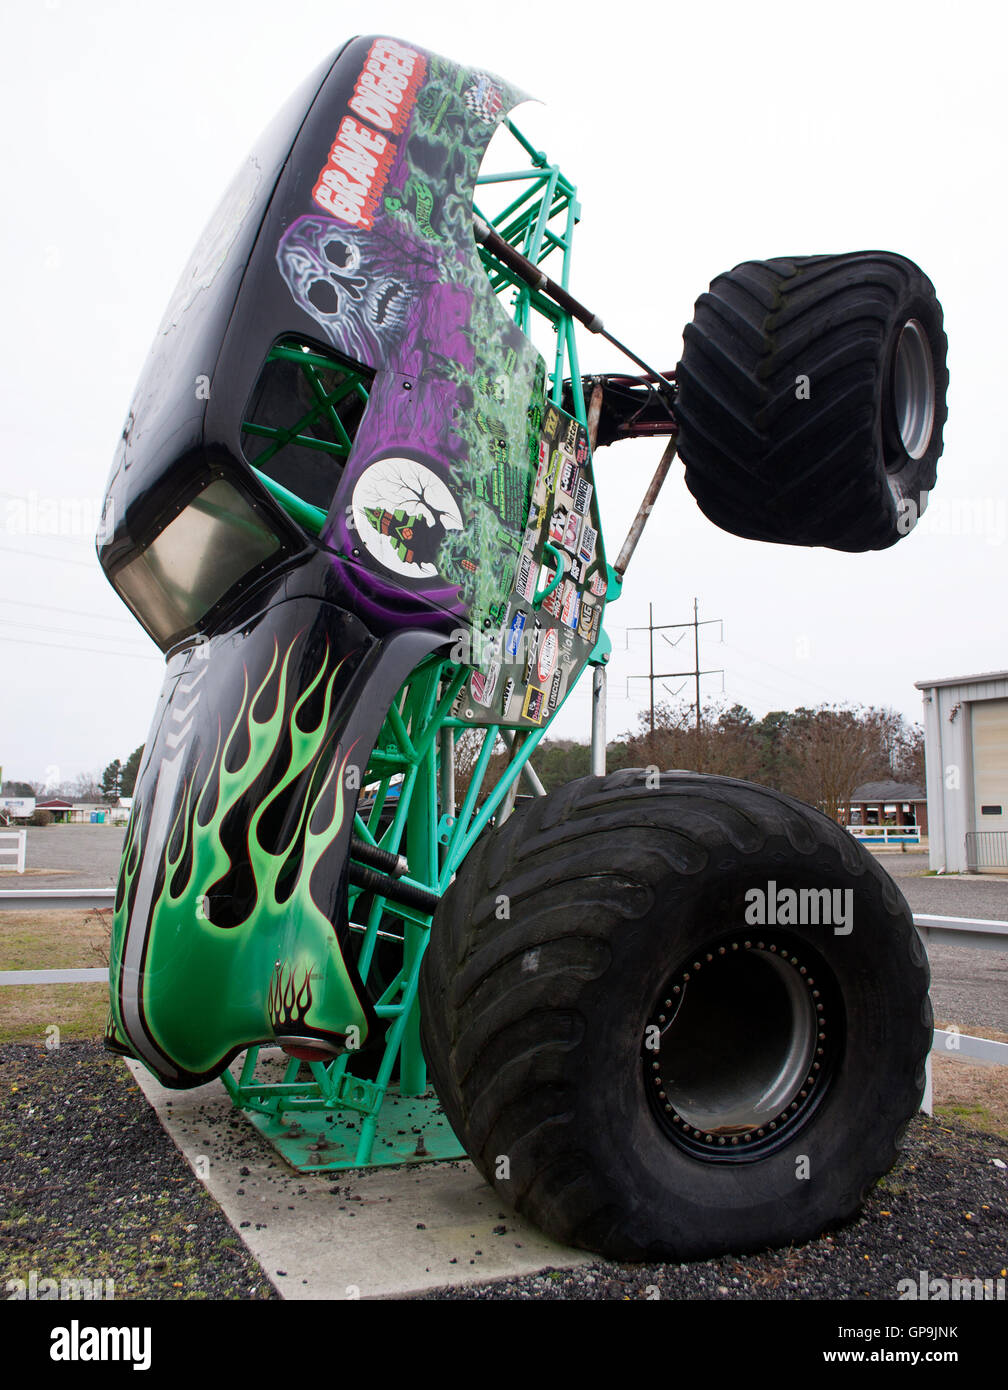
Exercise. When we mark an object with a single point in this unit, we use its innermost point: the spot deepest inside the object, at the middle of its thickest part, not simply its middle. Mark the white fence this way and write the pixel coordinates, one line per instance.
(886, 834)
(15, 851)
(977, 932)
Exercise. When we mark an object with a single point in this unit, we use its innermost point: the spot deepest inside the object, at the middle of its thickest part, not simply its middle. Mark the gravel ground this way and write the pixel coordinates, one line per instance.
(80, 1199)
(82, 1203)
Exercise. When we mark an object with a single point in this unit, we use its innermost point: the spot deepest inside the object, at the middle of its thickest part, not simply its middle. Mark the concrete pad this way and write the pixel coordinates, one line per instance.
(381, 1233)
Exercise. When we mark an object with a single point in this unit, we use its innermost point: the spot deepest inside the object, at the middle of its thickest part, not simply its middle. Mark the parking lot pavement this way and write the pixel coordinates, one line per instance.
(969, 987)
(946, 895)
(70, 856)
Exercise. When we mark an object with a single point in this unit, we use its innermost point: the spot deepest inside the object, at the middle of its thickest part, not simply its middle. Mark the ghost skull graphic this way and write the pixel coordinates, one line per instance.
(359, 286)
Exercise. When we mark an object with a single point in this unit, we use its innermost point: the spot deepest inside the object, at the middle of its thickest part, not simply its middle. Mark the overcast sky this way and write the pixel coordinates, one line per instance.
(698, 137)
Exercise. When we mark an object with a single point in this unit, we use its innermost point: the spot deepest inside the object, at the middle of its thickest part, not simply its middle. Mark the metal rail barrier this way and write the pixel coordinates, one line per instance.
(976, 932)
(987, 849)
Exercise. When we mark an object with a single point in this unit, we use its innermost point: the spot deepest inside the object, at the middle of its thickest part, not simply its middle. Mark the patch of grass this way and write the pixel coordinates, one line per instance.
(976, 1117)
(53, 941)
(972, 1092)
(78, 1011)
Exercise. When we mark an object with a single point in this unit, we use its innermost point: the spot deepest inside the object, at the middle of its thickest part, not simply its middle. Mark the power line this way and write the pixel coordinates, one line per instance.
(792, 675)
(68, 631)
(40, 555)
(695, 671)
(76, 612)
(69, 647)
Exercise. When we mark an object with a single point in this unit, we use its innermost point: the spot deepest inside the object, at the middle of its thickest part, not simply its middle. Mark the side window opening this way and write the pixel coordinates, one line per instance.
(300, 423)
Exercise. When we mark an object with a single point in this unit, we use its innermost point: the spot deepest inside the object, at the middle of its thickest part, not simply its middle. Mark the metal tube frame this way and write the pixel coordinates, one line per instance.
(409, 800)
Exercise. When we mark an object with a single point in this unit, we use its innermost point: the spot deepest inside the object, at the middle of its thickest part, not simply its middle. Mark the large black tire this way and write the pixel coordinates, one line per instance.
(558, 959)
(812, 399)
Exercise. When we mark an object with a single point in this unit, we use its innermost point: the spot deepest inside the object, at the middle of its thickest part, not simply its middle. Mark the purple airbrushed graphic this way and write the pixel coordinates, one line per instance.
(380, 299)
(411, 414)
(422, 527)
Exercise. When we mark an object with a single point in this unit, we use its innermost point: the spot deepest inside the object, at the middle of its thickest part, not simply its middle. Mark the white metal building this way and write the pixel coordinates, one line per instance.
(966, 751)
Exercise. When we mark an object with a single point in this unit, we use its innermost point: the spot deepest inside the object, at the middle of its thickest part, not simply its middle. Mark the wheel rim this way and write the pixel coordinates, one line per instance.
(914, 389)
(748, 1032)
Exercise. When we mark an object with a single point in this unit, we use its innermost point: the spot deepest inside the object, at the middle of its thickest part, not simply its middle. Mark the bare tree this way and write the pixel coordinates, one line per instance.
(86, 787)
(468, 747)
(725, 744)
(909, 766)
(834, 749)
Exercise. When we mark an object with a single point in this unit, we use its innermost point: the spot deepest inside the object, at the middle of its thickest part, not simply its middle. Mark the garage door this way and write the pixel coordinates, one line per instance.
(990, 764)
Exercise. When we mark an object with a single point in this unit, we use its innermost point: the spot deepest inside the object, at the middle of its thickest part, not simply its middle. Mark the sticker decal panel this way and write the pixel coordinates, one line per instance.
(534, 657)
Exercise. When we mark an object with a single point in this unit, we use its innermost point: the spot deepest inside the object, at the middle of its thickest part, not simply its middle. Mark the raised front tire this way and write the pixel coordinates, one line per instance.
(812, 399)
(637, 1043)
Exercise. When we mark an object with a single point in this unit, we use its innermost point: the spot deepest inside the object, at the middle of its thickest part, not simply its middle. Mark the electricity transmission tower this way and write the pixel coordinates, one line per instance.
(695, 671)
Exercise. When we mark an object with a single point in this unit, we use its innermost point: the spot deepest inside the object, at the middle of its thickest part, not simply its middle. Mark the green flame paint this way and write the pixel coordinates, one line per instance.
(206, 988)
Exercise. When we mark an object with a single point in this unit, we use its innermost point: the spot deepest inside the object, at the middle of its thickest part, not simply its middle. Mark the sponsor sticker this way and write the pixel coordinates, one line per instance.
(509, 690)
(535, 703)
(525, 582)
(586, 550)
(548, 653)
(556, 687)
(514, 636)
(571, 604)
(483, 97)
(483, 684)
(572, 531)
(582, 496)
(532, 647)
(551, 605)
(540, 489)
(598, 584)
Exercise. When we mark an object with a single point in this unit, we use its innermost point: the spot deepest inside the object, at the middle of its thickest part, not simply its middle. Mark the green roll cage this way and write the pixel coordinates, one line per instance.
(327, 1115)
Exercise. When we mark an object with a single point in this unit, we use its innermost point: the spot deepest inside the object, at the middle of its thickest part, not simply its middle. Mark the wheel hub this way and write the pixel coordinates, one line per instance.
(740, 1047)
(914, 389)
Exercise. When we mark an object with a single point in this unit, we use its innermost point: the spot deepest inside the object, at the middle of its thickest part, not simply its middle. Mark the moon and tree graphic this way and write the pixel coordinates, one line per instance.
(402, 512)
